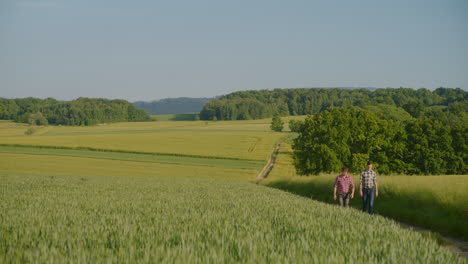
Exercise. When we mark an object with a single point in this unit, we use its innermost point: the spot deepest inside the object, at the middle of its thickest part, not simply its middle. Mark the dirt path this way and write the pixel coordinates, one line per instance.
(269, 166)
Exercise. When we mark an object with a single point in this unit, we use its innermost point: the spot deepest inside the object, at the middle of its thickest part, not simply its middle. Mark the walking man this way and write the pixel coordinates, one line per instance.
(368, 187)
(342, 183)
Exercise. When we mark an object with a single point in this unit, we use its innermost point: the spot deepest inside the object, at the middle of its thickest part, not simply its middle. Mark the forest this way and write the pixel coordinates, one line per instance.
(448, 105)
(78, 112)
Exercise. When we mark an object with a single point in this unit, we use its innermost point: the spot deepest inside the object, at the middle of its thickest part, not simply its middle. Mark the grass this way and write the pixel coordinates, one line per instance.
(83, 219)
(52, 165)
(438, 203)
(176, 117)
(140, 157)
(242, 140)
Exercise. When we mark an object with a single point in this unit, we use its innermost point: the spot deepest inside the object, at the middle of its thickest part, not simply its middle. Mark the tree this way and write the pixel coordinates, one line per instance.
(276, 124)
(294, 125)
(338, 137)
(37, 119)
(429, 147)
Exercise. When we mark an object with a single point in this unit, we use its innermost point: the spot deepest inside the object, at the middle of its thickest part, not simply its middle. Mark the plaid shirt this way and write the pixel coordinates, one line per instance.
(342, 183)
(368, 179)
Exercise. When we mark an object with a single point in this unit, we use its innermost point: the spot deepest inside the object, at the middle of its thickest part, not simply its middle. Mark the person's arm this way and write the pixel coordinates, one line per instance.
(376, 186)
(352, 188)
(334, 188)
(360, 185)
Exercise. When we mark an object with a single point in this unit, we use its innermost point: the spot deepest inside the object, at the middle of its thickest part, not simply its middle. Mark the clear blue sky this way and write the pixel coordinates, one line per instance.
(145, 50)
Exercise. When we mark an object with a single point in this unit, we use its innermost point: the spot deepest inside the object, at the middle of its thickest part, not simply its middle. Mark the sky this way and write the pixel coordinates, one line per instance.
(147, 50)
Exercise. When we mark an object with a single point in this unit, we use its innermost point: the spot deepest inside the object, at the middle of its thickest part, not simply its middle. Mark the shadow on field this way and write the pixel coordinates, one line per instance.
(417, 208)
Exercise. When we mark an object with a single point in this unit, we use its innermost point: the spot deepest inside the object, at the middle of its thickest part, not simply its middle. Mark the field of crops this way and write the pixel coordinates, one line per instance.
(83, 219)
(438, 203)
(111, 193)
(246, 140)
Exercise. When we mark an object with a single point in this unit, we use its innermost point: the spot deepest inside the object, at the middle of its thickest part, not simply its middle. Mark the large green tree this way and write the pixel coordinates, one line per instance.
(349, 137)
(335, 138)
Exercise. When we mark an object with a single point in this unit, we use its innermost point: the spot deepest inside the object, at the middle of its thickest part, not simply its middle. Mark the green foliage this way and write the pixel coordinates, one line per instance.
(349, 137)
(294, 125)
(335, 138)
(238, 109)
(429, 148)
(37, 119)
(277, 124)
(389, 112)
(414, 108)
(79, 112)
(390, 104)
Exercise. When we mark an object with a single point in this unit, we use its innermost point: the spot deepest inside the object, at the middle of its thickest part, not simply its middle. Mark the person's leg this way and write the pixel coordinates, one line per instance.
(371, 201)
(340, 199)
(364, 199)
(346, 200)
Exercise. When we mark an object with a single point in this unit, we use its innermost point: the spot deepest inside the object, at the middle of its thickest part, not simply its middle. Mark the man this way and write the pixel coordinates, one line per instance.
(342, 183)
(368, 187)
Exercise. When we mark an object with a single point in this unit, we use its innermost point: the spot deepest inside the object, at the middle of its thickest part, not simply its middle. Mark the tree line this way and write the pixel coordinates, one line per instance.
(400, 104)
(350, 136)
(81, 111)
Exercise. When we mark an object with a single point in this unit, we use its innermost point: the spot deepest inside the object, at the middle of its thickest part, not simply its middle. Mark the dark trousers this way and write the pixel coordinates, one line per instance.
(343, 199)
(368, 200)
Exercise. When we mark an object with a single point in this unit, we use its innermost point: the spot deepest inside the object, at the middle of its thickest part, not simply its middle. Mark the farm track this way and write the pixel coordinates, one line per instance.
(269, 166)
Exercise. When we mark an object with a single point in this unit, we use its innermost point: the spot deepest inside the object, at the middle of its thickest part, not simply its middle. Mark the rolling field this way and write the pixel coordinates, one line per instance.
(83, 219)
(152, 192)
(246, 140)
(438, 203)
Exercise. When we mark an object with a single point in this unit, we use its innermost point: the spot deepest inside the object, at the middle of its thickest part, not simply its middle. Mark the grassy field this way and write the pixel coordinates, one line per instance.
(82, 219)
(176, 117)
(134, 156)
(438, 203)
(178, 192)
(64, 165)
(235, 139)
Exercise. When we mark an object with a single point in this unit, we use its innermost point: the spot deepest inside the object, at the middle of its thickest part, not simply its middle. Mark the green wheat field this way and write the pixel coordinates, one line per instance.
(186, 192)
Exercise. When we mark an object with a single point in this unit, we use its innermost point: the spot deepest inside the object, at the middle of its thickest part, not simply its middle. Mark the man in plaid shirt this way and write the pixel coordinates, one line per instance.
(345, 186)
(368, 187)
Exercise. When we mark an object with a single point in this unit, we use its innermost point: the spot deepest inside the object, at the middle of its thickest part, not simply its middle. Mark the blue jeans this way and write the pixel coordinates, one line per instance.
(368, 199)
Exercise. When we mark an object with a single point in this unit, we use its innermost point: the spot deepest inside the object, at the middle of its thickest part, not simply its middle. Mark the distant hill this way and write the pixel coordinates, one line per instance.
(173, 105)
